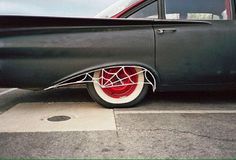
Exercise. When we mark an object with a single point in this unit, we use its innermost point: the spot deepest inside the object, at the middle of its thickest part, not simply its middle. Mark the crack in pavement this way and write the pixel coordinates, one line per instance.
(115, 118)
(188, 132)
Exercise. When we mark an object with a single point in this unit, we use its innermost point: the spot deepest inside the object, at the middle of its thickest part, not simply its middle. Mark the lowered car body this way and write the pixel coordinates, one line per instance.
(119, 58)
(39, 55)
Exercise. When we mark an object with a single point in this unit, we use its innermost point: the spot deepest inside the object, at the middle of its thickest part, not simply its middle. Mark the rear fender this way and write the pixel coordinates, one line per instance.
(86, 76)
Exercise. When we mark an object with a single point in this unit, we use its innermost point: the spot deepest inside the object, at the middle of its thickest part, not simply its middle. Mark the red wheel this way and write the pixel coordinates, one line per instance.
(124, 85)
(118, 86)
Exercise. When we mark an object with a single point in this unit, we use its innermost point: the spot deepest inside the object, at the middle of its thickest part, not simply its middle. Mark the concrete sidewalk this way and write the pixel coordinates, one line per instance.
(184, 125)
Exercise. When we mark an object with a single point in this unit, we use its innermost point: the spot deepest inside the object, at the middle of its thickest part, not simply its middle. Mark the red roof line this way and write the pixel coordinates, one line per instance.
(120, 14)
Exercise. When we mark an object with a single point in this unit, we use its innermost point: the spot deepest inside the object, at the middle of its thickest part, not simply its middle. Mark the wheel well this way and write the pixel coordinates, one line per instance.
(151, 76)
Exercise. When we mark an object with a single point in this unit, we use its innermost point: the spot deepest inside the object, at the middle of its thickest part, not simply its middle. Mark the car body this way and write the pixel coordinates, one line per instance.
(171, 45)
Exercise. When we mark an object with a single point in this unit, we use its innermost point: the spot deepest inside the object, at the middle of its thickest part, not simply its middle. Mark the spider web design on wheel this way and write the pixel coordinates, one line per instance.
(113, 81)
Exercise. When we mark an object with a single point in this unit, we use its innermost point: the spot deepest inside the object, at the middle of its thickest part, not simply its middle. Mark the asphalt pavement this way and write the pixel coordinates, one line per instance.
(164, 125)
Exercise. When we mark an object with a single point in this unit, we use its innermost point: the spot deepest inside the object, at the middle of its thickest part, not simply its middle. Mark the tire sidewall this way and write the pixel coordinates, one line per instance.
(93, 93)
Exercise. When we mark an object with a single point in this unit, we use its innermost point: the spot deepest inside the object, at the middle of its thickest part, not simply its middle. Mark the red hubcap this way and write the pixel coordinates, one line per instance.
(119, 82)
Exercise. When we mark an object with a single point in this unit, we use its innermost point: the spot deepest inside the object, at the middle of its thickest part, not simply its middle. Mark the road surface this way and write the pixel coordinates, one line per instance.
(167, 125)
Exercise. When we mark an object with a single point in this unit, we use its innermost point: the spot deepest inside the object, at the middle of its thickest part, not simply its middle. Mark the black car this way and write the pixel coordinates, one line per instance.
(170, 45)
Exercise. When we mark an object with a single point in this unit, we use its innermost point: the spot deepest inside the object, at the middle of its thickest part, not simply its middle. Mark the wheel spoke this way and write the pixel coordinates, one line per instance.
(119, 82)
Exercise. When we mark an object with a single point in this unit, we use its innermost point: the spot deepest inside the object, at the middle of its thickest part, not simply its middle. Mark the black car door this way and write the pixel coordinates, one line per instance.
(195, 44)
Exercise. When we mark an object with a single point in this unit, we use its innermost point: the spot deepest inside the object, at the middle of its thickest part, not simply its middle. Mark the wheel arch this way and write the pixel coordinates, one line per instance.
(68, 80)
